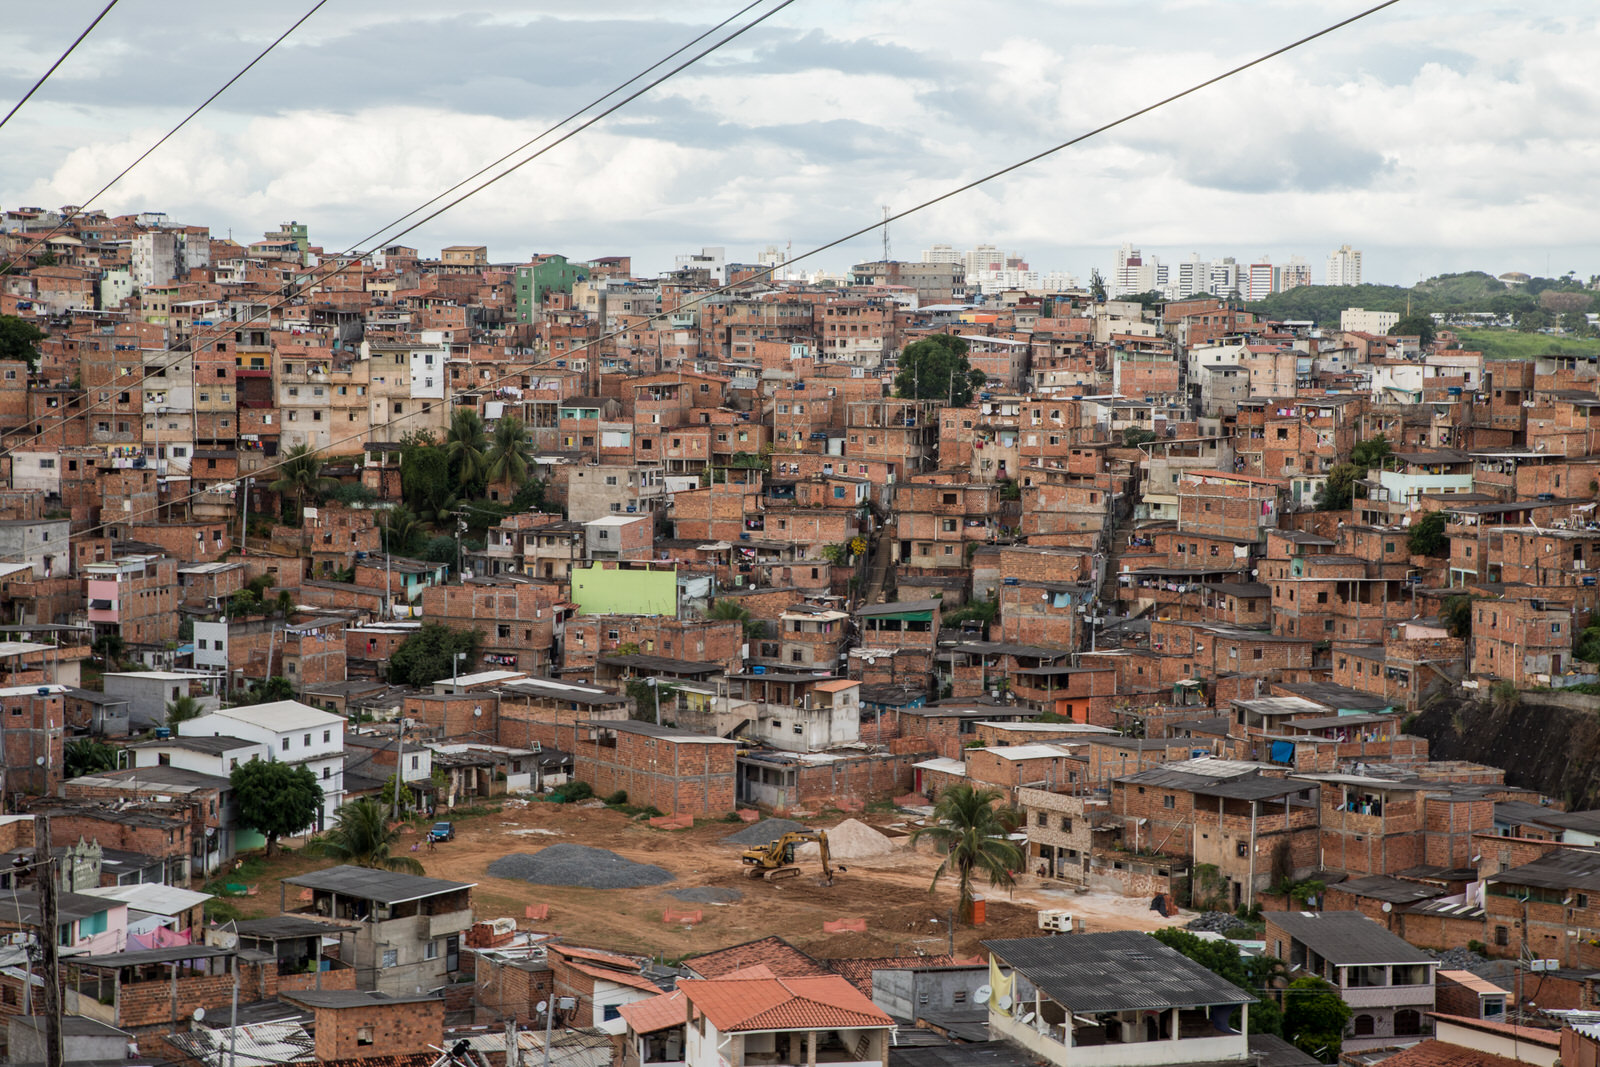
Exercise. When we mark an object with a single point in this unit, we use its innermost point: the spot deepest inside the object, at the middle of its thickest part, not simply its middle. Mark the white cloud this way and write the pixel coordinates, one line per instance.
(1437, 134)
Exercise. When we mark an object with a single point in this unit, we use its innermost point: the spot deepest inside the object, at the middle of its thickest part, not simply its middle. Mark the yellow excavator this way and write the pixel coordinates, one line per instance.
(775, 859)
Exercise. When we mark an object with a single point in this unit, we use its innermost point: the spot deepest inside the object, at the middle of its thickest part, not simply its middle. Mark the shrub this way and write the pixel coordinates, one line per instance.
(619, 797)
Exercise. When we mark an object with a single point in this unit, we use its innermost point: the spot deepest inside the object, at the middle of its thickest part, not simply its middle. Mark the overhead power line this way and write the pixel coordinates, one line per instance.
(768, 271)
(123, 173)
(59, 60)
(159, 371)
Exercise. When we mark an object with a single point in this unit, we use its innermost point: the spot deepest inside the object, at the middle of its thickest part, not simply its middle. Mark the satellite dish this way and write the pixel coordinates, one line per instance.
(1004, 1003)
(476, 712)
(982, 994)
(539, 1007)
(199, 1015)
(38, 761)
(1387, 907)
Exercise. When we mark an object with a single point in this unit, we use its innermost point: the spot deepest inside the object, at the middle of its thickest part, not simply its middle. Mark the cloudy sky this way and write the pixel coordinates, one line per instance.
(1437, 135)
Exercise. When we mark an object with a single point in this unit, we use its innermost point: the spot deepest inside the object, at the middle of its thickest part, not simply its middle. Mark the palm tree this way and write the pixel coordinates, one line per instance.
(399, 525)
(183, 709)
(509, 458)
(84, 755)
(361, 835)
(300, 473)
(972, 832)
(731, 609)
(466, 444)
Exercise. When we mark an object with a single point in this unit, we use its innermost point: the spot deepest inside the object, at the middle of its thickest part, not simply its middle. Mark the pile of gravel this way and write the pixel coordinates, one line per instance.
(578, 865)
(764, 832)
(706, 894)
(1215, 922)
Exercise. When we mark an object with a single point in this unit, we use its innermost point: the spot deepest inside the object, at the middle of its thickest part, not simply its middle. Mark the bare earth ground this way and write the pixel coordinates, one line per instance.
(890, 893)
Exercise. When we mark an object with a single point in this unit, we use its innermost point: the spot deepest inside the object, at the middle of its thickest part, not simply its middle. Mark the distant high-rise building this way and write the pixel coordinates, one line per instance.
(1344, 266)
(984, 257)
(1225, 277)
(1135, 273)
(1295, 273)
(1194, 276)
(1260, 281)
(941, 254)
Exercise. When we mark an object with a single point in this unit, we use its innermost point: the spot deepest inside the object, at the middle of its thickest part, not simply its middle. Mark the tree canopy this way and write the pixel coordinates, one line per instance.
(1314, 1018)
(936, 368)
(275, 799)
(1337, 491)
(1414, 325)
(19, 340)
(425, 656)
(1371, 452)
(361, 836)
(972, 831)
(1428, 537)
(300, 476)
(1222, 958)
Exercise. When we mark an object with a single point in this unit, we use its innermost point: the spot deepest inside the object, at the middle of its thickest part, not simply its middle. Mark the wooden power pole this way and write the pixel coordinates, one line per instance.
(45, 879)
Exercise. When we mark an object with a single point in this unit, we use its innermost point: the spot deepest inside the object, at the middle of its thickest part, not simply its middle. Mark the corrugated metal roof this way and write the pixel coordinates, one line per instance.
(1118, 971)
(1346, 938)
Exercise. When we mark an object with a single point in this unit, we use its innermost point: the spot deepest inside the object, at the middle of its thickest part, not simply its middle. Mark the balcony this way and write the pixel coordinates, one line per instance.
(1387, 996)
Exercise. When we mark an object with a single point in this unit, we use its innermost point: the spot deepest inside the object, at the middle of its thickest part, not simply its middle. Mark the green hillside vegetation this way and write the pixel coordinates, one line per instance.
(1514, 344)
(1472, 291)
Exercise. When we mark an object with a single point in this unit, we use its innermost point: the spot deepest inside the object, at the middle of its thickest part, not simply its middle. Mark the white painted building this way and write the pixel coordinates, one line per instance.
(293, 733)
(1359, 320)
(1344, 266)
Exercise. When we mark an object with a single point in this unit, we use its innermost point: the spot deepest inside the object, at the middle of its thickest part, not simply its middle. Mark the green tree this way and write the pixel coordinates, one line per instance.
(1587, 646)
(83, 755)
(936, 368)
(1338, 489)
(182, 710)
(1223, 959)
(529, 497)
(1414, 325)
(467, 446)
(1428, 537)
(19, 340)
(352, 494)
(1097, 285)
(1133, 437)
(267, 691)
(1456, 615)
(275, 799)
(1504, 695)
(361, 835)
(1314, 1018)
(300, 475)
(441, 549)
(244, 602)
(426, 482)
(509, 459)
(399, 526)
(1370, 453)
(426, 656)
(972, 831)
(109, 648)
(284, 605)
(645, 696)
(731, 609)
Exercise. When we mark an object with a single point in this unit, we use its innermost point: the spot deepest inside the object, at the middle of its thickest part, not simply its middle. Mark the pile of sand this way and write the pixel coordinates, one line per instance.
(851, 840)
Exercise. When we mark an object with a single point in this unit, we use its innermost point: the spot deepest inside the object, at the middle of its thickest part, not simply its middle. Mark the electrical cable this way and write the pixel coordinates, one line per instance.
(767, 272)
(61, 59)
(79, 209)
(376, 235)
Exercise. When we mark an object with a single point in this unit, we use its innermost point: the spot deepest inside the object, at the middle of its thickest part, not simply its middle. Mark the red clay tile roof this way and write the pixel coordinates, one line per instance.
(816, 1003)
(858, 972)
(1433, 1053)
(657, 1013)
(774, 953)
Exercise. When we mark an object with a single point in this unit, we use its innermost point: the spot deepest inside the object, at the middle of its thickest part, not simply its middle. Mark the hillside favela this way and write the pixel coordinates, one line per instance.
(650, 623)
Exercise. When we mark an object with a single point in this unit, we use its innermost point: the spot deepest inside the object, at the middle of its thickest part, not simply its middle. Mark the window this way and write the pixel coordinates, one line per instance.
(430, 951)
(306, 741)
(1041, 819)
(327, 772)
(390, 957)
(1362, 1025)
(364, 1033)
(1501, 936)
(327, 736)
(1243, 848)
(1168, 801)
(286, 744)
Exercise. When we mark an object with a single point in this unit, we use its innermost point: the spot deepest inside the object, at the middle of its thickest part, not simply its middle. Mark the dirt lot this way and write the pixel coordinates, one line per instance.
(890, 893)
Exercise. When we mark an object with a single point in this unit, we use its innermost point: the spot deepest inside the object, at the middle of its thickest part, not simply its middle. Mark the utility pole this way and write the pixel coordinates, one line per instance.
(244, 517)
(549, 1016)
(399, 765)
(44, 875)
